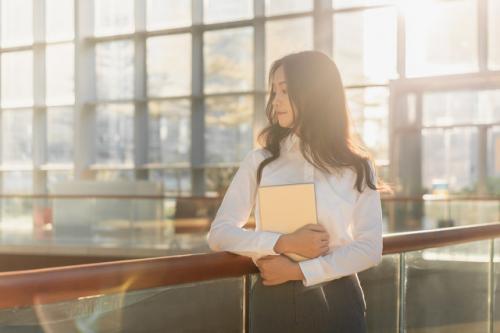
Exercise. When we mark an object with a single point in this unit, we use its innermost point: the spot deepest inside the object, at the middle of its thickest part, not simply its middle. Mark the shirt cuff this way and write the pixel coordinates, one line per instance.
(312, 271)
(268, 241)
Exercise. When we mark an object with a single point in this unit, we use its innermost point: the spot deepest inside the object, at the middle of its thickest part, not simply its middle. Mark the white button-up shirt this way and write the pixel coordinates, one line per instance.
(352, 219)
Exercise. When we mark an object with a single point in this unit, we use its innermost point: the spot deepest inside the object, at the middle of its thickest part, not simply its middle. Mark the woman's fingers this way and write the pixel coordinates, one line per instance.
(316, 227)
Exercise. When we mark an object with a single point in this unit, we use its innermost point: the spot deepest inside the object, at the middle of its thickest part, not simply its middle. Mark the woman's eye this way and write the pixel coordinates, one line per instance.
(284, 91)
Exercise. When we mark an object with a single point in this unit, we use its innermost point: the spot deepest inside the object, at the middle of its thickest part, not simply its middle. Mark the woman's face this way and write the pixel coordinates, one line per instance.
(281, 103)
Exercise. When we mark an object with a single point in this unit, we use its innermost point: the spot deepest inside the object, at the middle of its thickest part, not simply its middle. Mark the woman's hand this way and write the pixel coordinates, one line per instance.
(309, 241)
(278, 269)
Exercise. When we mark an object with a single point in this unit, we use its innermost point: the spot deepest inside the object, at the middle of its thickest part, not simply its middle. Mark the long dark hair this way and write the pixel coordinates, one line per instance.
(322, 120)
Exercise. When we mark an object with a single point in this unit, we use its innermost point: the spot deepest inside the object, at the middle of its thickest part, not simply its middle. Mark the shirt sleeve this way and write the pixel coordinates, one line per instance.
(226, 231)
(362, 253)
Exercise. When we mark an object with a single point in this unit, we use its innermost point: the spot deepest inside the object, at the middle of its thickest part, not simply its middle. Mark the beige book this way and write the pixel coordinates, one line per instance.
(286, 208)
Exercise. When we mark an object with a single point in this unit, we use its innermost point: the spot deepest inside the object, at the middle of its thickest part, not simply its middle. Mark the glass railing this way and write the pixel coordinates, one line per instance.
(443, 280)
(147, 226)
(191, 307)
(128, 226)
(434, 211)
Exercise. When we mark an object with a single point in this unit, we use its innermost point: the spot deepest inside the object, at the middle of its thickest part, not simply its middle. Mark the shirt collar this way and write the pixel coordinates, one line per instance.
(290, 142)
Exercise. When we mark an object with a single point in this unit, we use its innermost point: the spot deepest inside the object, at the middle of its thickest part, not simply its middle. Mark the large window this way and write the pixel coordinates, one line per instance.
(16, 23)
(365, 45)
(228, 132)
(287, 35)
(452, 124)
(169, 132)
(115, 70)
(169, 65)
(17, 136)
(228, 61)
(114, 139)
(446, 43)
(174, 91)
(17, 79)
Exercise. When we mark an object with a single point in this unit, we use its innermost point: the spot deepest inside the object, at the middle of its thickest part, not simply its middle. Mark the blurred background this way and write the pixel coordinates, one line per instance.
(123, 121)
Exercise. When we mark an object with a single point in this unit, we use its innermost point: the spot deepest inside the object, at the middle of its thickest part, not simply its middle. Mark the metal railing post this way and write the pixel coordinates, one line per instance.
(401, 302)
(247, 284)
(491, 287)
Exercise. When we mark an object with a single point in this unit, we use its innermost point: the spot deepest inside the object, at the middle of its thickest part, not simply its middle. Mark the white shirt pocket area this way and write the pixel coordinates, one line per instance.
(362, 252)
(226, 232)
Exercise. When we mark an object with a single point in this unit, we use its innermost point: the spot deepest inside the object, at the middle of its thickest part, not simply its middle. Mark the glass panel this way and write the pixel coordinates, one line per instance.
(60, 135)
(164, 14)
(216, 306)
(369, 112)
(57, 176)
(115, 133)
(227, 10)
(113, 17)
(218, 179)
(17, 79)
(115, 70)
(474, 212)
(461, 107)
(450, 157)
(16, 213)
(405, 216)
(447, 43)
(493, 162)
(191, 217)
(493, 153)
(60, 74)
(436, 299)
(114, 175)
(175, 181)
(17, 220)
(169, 65)
(109, 227)
(60, 20)
(20, 182)
(287, 36)
(17, 136)
(365, 45)
(338, 4)
(16, 22)
(280, 7)
(380, 285)
(228, 61)
(493, 34)
(169, 132)
(228, 123)
(441, 213)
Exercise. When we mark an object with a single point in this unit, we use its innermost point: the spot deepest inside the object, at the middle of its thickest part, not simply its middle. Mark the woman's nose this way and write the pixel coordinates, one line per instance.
(276, 101)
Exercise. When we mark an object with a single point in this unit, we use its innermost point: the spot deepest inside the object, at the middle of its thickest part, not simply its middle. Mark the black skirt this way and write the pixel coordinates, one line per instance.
(336, 306)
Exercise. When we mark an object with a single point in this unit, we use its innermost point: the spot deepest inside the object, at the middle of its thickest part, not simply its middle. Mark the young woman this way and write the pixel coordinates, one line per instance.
(308, 139)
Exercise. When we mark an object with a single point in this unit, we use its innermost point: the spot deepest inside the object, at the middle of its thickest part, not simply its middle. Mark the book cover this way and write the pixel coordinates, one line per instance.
(287, 207)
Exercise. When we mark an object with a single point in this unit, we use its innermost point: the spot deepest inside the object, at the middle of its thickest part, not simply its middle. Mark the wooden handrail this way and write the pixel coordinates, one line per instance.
(49, 285)
(42, 286)
(424, 239)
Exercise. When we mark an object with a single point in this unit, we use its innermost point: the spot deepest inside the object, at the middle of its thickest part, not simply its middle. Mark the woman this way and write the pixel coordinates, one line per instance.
(308, 139)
